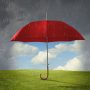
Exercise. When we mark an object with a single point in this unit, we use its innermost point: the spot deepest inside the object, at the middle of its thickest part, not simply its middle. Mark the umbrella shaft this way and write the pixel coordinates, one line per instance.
(47, 59)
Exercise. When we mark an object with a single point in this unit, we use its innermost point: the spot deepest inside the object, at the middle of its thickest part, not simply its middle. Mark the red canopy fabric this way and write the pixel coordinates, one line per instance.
(47, 31)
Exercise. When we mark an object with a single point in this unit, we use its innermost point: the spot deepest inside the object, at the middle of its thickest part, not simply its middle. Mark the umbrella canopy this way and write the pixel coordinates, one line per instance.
(47, 31)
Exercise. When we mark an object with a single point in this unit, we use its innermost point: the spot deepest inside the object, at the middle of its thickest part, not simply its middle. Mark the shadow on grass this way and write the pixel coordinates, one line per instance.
(68, 88)
(71, 85)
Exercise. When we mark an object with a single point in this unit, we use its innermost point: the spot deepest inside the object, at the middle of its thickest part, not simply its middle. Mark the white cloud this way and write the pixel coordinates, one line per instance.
(41, 56)
(20, 48)
(74, 64)
(71, 47)
(59, 68)
(82, 62)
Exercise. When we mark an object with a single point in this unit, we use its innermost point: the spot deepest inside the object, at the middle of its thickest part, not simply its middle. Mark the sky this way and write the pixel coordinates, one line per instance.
(14, 14)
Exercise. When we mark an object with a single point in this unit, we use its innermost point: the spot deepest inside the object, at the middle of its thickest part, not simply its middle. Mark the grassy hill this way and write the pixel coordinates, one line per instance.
(30, 80)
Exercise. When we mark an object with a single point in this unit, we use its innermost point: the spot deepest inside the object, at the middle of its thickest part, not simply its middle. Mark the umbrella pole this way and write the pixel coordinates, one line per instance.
(47, 61)
(45, 78)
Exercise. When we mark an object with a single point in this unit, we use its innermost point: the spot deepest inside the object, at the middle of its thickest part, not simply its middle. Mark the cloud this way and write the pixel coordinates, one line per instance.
(69, 47)
(82, 62)
(37, 9)
(74, 64)
(41, 56)
(19, 48)
(4, 15)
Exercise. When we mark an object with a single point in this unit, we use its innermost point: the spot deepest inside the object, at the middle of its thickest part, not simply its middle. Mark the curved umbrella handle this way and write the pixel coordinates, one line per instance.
(47, 74)
(43, 78)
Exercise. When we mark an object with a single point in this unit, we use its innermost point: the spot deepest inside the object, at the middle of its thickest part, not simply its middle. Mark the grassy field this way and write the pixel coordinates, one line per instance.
(58, 80)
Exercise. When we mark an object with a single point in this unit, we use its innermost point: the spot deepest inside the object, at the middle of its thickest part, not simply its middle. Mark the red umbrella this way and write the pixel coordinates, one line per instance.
(47, 31)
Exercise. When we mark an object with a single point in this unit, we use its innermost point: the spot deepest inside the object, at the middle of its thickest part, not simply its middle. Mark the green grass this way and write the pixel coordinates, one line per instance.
(30, 80)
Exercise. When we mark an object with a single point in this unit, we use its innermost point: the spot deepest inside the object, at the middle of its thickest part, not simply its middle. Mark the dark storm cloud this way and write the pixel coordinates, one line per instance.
(36, 8)
(30, 5)
(4, 15)
(4, 46)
